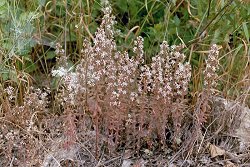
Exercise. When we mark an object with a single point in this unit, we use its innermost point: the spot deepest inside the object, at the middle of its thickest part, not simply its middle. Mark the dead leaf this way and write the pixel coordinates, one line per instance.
(216, 151)
(229, 164)
(148, 152)
(126, 163)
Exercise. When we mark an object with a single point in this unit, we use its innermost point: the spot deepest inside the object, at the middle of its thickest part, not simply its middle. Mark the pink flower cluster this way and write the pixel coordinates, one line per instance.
(212, 65)
(105, 70)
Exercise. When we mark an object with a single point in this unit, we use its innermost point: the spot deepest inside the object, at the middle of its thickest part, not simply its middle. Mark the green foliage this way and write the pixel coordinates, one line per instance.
(17, 29)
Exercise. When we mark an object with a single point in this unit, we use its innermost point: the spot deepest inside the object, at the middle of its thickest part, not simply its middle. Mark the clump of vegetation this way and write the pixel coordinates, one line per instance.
(109, 95)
